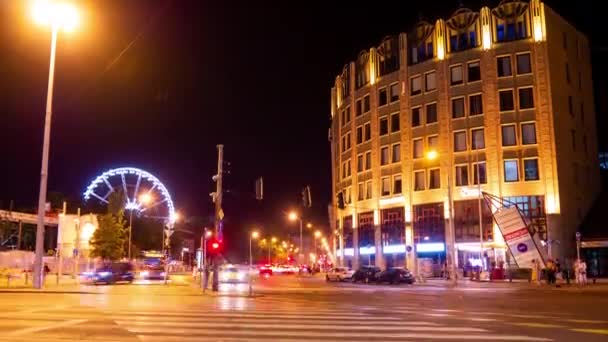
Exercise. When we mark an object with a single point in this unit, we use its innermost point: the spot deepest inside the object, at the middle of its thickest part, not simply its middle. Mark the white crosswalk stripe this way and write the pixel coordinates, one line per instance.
(290, 322)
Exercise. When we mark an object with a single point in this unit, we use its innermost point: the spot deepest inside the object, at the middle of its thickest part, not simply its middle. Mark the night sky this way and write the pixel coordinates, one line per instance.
(157, 84)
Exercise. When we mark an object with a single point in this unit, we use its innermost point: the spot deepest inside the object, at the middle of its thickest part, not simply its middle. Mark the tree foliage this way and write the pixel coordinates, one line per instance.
(108, 241)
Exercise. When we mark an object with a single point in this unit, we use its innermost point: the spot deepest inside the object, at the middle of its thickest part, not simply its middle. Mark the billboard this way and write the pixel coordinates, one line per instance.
(517, 236)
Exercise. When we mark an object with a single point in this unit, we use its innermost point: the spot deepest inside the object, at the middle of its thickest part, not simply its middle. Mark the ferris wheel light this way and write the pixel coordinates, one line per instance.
(145, 198)
(175, 217)
(135, 202)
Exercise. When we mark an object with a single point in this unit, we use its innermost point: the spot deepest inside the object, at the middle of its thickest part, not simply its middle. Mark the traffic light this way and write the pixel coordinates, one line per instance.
(306, 200)
(215, 246)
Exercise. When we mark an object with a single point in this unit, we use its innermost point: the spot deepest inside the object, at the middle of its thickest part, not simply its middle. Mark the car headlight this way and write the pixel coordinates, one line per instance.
(104, 274)
(144, 273)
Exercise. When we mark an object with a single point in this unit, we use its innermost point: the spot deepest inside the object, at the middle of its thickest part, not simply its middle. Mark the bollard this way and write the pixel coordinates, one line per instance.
(8, 280)
(26, 277)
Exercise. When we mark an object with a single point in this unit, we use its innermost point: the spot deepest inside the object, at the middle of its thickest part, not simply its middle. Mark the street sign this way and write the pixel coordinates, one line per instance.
(578, 236)
(408, 248)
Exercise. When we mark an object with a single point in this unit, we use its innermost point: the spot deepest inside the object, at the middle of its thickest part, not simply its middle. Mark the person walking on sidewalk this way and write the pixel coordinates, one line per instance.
(583, 272)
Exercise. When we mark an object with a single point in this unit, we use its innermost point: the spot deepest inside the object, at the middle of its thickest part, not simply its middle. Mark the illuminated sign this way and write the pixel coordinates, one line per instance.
(430, 247)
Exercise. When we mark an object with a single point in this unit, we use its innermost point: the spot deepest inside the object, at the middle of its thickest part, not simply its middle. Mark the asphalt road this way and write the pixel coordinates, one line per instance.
(290, 308)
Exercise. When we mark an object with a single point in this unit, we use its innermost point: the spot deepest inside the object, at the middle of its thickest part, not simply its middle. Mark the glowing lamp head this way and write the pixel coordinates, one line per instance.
(274, 239)
(255, 235)
(293, 216)
(208, 233)
(145, 198)
(59, 15)
(174, 217)
(432, 155)
(309, 225)
(317, 234)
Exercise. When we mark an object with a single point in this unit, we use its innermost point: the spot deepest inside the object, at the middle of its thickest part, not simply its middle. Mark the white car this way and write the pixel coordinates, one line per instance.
(339, 274)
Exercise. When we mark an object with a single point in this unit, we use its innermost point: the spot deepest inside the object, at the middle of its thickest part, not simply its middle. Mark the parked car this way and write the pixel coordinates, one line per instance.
(339, 274)
(366, 274)
(395, 275)
(113, 273)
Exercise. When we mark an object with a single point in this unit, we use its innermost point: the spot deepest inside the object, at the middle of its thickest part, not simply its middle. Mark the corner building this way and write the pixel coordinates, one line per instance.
(504, 99)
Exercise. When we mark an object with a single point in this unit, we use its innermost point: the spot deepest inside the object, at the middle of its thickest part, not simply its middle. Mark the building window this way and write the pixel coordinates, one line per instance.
(359, 107)
(384, 156)
(360, 163)
(432, 142)
(565, 40)
(434, 179)
(573, 137)
(360, 193)
(386, 186)
(348, 140)
(366, 106)
(528, 133)
(343, 170)
(419, 180)
(396, 155)
(456, 74)
(359, 135)
(523, 64)
(504, 66)
(508, 135)
(416, 85)
(580, 81)
(397, 184)
(348, 198)
(570, 106)
(567, 69)
(511, 172)
(526, 98)
(383, 126)
(368, 189)
(430, 81)
(460, 141)
(395, 123)
(475, 105)
(343, 118)
(531, 169)
(431, 113)
(367, 130)
(418, 149)
(368, 160)
(347, 111)
(416, 117)
(582, 113)
(473, 72)
(382, 97)
(479, 173)
(348, 173)
(458, 108)
(462, 175)
(477, 139)
(506, 100)
(394, 92)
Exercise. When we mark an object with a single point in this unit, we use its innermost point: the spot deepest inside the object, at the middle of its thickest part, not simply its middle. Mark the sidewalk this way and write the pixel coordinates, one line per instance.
(601, 284)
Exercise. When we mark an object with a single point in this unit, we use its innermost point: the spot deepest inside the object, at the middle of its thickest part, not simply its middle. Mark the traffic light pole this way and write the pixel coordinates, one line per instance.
(218, 209)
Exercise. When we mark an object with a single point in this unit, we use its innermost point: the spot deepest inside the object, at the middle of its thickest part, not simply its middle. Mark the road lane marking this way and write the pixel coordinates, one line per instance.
(46, 327)
(372, 330)
(592, 331)
(264, 335)
(589, 321)
(536, 325)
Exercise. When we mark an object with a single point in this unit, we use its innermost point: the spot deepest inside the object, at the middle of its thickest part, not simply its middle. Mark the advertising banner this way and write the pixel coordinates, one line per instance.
(517, 236)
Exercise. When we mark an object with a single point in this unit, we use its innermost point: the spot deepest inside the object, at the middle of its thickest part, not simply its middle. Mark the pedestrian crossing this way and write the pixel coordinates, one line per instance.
(289, 322)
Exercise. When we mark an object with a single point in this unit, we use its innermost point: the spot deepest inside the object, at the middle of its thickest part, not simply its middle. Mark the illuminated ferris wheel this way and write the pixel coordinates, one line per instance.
(144, 194)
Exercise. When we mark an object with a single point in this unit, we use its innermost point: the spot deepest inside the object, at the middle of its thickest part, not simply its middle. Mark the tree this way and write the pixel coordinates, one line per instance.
(108, 241)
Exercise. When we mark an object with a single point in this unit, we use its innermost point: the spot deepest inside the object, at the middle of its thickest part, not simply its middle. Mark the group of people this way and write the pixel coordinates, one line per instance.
(553, 271)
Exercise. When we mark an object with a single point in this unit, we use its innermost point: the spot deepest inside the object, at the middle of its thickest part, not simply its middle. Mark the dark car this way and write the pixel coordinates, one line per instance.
(366, 274)
(395, 275)
(113, 273)
(266, 270)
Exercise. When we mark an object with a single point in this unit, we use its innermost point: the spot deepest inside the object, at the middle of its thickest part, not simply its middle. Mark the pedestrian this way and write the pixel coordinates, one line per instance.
(534, 272)
(583, 266)
(577, 272)
(550, 271)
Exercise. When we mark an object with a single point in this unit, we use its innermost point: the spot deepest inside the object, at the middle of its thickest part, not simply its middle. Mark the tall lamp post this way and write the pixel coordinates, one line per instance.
(294, 217)
(58, 17)
(450, 245)
(143, 199)
(252, 236)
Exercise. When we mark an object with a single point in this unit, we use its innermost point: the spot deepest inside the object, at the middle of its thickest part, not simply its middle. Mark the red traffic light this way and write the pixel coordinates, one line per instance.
(214, 246)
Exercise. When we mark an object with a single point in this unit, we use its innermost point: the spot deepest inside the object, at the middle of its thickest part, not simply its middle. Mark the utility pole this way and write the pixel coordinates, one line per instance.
(218, 212)
(20, 234)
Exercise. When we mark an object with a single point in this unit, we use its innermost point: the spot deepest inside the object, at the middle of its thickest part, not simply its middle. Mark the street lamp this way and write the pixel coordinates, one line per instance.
(451, 246)
(59, 16)
(317, 235)
(272, 241)
(143, 199)
(254, 235)
(294, 217)
(172, 219)
(309, 225)
(206, 235)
